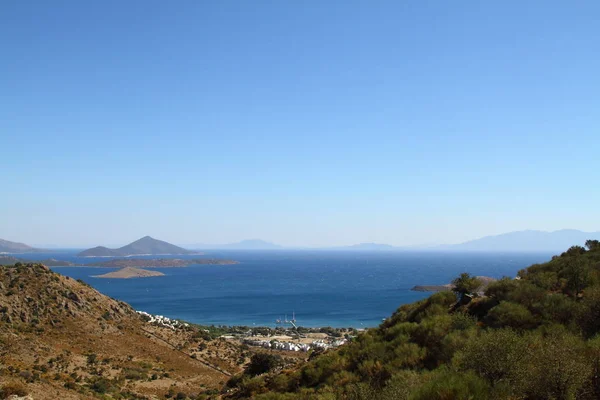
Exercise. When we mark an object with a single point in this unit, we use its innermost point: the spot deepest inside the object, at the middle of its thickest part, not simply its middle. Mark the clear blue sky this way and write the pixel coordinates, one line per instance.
(303, 123)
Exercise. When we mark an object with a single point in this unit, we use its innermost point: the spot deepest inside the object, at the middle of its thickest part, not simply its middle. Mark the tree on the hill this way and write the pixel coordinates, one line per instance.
(465, 284)
(263, 362)
(577, 274)
(574, 251)
(592, 244)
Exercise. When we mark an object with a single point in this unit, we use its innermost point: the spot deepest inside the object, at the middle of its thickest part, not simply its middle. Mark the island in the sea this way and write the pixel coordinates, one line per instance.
(129, 272)
(159, 262)
(144, 246)
(123, 262)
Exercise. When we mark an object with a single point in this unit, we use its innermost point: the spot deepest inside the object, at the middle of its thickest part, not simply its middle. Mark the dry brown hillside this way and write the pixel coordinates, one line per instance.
(62, 339)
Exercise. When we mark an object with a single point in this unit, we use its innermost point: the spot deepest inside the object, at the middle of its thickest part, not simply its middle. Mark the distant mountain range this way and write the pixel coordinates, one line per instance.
(368, 247)
(250, 244)
(520, 241)
(145, 245)
(529, 240)
(14, 247)
(257, 244)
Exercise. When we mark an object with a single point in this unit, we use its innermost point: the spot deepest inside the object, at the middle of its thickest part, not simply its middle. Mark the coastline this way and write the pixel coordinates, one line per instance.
(146, 255)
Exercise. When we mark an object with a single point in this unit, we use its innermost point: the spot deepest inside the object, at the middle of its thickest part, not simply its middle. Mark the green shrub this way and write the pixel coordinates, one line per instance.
(250, 387)
(263, 362)
(101, 385)
(496, 356)
(559, 366)
(510, 315)
(445, 384)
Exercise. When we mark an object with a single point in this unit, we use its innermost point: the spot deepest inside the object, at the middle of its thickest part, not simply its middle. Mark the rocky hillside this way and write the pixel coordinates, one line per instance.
(15, 247)
(62, 339)
(49, 262)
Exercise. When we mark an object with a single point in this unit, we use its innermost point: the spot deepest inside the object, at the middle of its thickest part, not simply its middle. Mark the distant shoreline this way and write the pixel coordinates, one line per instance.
(431, 288)
(160, 262)
(123, 262)
(145, 255)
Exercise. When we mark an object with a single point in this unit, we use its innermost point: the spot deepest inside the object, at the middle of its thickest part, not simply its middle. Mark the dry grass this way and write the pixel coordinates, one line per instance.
(61, 337)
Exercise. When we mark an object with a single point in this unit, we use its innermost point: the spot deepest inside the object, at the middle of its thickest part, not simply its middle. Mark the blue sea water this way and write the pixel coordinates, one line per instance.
(322, 288)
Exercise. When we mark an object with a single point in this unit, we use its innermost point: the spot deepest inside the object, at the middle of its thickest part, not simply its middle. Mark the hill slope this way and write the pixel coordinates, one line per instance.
(14, 247)
(535, 337)
(62, 339)
(50, 262)
(145, 245)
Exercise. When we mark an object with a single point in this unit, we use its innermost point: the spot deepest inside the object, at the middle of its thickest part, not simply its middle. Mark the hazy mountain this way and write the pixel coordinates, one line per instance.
(529, 240)
(14, 247)
(371, 247)
(145, 245)
(100, 251)
(252, 244)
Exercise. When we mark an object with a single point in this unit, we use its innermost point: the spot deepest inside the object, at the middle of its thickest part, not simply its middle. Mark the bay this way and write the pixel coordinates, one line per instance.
(322, 288)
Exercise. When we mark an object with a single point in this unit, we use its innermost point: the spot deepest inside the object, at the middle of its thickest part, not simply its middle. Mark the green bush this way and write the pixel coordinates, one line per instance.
(250, 387)
(559, 366)
(263, 362)
(101, 385)
(445, 384)
(511, 315)
(498, 355)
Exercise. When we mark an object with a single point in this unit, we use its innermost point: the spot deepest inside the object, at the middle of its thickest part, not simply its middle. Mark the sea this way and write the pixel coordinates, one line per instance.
(317, 288)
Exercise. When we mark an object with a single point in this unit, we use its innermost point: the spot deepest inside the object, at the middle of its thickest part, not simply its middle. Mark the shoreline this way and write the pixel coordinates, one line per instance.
(257, 330)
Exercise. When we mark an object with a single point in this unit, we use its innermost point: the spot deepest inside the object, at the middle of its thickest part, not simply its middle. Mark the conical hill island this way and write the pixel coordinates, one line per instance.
(144, 246)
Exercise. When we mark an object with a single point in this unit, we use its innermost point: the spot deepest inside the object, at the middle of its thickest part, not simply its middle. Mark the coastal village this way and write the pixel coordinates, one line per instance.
(267, 338)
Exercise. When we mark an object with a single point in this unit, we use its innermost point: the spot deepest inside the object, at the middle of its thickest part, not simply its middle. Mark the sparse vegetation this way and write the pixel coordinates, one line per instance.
(63, 336)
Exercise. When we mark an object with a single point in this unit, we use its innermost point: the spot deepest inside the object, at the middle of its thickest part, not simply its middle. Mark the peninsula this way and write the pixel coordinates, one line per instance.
(15, 247)
(431, 288)
(129, 272)
(159, 262)
(485, 281)
(123, 262)
(49, 262)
